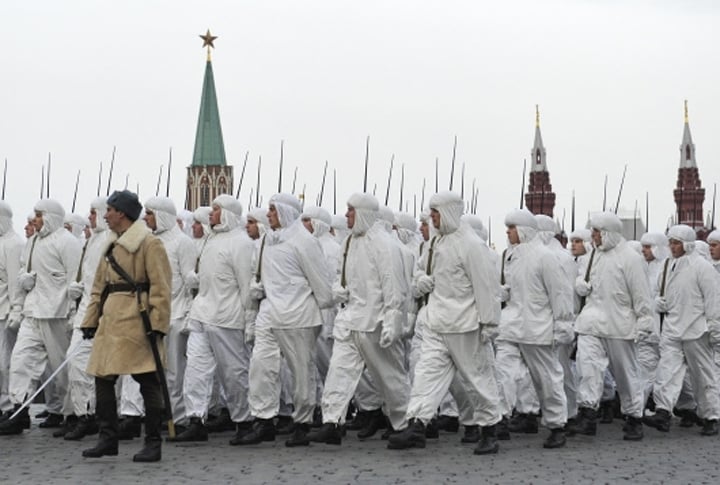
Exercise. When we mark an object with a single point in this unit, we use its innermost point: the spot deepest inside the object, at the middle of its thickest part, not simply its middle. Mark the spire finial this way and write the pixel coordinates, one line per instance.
(208, 40)
(686, 112)
(537, 116)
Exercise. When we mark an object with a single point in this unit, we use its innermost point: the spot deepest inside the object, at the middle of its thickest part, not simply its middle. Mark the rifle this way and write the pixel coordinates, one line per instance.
(167, 188)
(282, 143)
(77, 181)
(242, 175)
(322, 186)
(452, 163)
(587, 278)
(522, 183)
(4, 179)
(662, 289)
(157, 187)
(257, 190)
(48, 177)
(112, 165)
(367, 159)
(622, 182)
(387, 189)
(402, 184)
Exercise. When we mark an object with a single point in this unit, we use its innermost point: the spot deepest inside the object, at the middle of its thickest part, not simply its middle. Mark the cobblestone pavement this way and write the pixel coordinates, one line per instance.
(681, 456)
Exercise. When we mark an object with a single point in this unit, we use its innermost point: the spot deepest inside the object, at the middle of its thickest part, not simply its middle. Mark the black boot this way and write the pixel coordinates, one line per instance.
(451, 424)
(431, 430)
(85, 426)
(472, 434)
(606, 412)
(299, 436)
(389, 430)
(241, 429)
(586, 422)
(688, 418)
(556, 438)
(195, 431)
(633, 429)
(17, 424)
(262, 430)
(70, 423)
(221, 422)
(710, 427)
(107, 444)
(317, 417)
(375, 421)
(328, 433)
(488, 442)
(152, 450)
(52, 421)
(660, 420)
(130, 427)
(524, 423)
(284, 425)
(501, 430)
(358, 422)
(412, 437)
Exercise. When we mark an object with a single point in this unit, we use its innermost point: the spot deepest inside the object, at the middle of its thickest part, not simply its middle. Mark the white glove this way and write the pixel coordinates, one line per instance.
(409, 329)
(661, 305)
(714, 334)
(424, 284)
(563, 332)
(257, 290)
(643, 335)
(250, 333)
(14, 320)
(488, 332)
(75, 290)
(391, 328)
(504, 293)
(27, 280)
(341, 295)
(191, 280)
(582, 287)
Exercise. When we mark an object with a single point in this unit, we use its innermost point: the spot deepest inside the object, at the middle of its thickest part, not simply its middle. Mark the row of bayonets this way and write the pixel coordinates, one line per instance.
(471, 204)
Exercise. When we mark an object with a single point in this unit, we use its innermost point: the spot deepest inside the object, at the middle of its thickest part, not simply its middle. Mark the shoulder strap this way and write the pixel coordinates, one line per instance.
(118, 269)
(260, 258)
(343, 280)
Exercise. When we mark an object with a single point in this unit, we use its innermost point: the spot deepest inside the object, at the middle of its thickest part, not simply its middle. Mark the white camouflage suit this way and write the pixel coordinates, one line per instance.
(617, 311)
(295, 283)
(690, 329)
(43, 338)
(11, 247)
(463, 312)
(372, 290)
(538, 313)
(218, 315)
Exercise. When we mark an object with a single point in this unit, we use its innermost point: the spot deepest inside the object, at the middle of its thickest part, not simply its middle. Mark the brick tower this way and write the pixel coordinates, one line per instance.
(539, 198)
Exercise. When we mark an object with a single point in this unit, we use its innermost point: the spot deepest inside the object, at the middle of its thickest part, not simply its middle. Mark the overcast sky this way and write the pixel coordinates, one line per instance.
(79, 77)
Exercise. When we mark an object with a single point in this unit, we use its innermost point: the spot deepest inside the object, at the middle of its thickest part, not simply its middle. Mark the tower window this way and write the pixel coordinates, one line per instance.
(687, 152)
(205, 195)
(538, 160)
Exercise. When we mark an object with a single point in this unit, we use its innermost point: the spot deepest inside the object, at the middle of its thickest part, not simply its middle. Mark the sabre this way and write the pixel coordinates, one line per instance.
(29, 401)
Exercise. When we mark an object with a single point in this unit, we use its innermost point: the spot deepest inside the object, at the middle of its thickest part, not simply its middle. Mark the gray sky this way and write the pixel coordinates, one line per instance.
(610, 77)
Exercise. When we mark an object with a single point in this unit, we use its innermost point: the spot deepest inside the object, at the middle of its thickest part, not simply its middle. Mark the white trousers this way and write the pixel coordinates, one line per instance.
(386, 366)
(41, 344)
(298, 348)
(287, 382)
(81, 385)
(594, 356)
(442, 357)
(176, 350)
(7, 342)
(322, 360)
(648, 358)
(131, 401)
(210, 350)
(546, 375)
(570, 380)
(696, 358)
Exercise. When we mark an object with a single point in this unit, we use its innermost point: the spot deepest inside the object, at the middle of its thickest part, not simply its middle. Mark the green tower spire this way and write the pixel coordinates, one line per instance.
(209, 146)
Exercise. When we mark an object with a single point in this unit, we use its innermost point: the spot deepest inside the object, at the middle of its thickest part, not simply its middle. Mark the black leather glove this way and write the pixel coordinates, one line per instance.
(157, 334)
(88, 332)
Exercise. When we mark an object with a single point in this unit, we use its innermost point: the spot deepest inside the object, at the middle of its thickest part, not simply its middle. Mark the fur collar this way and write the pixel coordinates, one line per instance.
(131, 239)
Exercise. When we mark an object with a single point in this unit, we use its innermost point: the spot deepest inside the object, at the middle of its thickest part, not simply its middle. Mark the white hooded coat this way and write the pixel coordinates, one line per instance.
(294, 272)
(11, 246)
(692, 292)
(541, 293)
(466, 289)
(618, 305)
(181, 252)
(54, 259)
(224, 270)
(378, 289)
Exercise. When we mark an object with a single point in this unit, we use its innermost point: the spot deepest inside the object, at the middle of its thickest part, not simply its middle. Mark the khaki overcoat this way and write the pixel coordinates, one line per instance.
(120, 345)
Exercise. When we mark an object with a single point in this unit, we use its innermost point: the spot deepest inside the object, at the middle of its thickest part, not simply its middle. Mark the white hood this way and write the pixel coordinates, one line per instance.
(53, 216)
(165, 213)
(230, 215)
(451, 207)
(366, 212)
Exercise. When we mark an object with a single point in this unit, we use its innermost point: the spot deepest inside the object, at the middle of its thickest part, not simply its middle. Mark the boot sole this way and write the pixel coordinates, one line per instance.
(551, 446)
(105, 453)
(490, 451)
(633, 438)
(403, 446)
